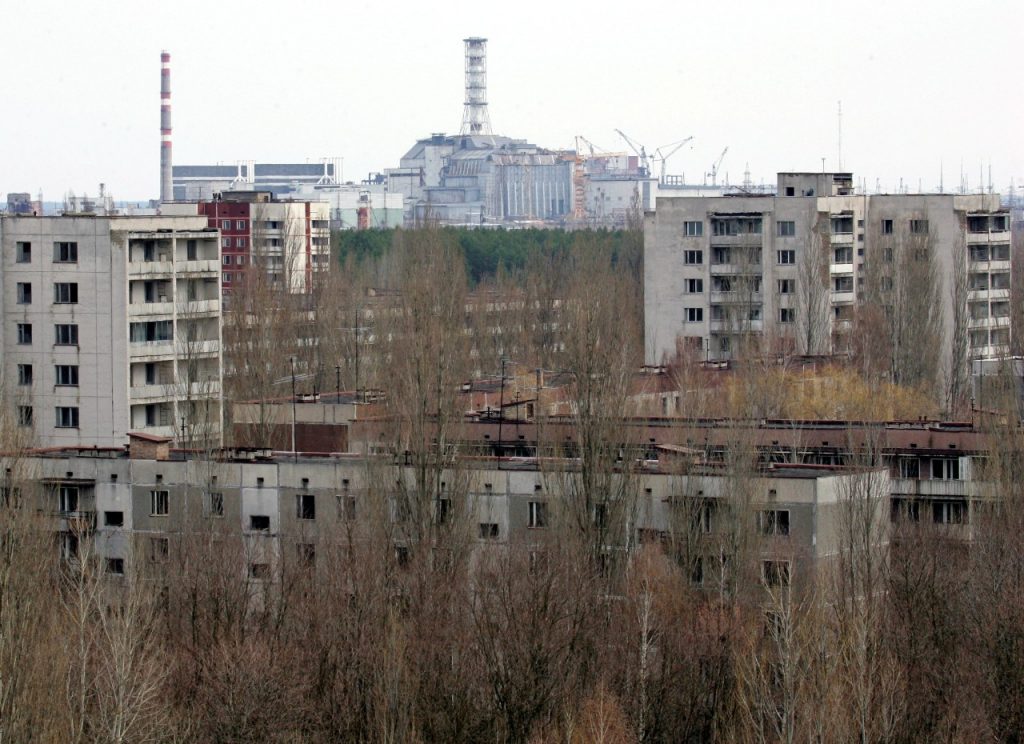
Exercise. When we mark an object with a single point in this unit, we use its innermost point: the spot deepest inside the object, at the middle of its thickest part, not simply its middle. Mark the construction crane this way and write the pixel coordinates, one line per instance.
(639, 149)
(716, 166)
(663, 157)
(594, 149)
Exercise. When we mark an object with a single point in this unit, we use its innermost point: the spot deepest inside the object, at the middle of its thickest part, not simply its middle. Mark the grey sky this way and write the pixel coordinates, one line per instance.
(920, 83)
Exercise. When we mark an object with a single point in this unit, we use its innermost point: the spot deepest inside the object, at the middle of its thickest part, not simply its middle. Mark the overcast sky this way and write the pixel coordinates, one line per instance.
(921, 84)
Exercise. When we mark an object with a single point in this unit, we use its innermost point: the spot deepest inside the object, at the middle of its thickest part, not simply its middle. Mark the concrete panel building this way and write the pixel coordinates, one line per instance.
(720, 271)
(289, 239)
(144, 508)
(111, 324)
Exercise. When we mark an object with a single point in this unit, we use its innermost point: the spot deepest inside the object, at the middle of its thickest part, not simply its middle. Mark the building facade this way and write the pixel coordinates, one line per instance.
(787, 270)
(111, 325)
(143, 504)
(289, 239)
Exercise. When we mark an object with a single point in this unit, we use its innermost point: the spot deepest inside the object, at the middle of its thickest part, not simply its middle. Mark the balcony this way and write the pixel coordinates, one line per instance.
(200, 307)
(843, 297)
(988, 294)
(736, 297)
(209, 266)
(1003, 322)
(151, 350)
(931, 488)
(990, 265)
(841, 238)
(840, 268)
(140, 309)
(151, 393)
(150, 268)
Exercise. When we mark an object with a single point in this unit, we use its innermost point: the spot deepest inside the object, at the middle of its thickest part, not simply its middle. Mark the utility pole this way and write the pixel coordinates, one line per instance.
(337, 382)
(295, 455)
(501, 407)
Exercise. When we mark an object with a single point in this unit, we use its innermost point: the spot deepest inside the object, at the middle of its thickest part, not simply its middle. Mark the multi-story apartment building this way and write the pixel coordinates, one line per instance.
(111, 325)
(791, 267)
(144, 504)
(289, 239)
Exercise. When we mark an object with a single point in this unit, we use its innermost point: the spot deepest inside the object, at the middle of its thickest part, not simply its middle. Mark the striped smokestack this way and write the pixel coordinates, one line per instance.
(166, 184)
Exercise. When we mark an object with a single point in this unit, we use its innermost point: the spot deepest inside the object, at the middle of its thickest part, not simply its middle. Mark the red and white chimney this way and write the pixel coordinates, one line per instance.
(166, 182)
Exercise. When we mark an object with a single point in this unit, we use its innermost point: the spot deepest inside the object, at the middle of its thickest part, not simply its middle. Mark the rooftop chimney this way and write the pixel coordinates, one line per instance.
(166, 184)
(475, 118)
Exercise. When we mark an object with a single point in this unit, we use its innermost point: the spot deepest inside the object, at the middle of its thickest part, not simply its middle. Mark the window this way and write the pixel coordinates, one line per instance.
(259, 571)
(259, 523)
(949, 512)
(773, 522)
(946, 469)
(919, 227)
(775, 573)
(67, 499)
(721, 284)
(24, 293)
(1001, 252)
(693, 258)
(24, 415)
(22, 252)
(842, 225)
(24, 374)
(154, 330)
(64, 252)
(191, 250)
(113, 519)
(227, 260)
(215, 504)
(225, 242)
(65, 293)
(786, 258)
(239, 224)
(305, 506)
(538, 515)
(115, 566)
(694, 286)
(787, 286)
(910, 467)
(1000, 281)
(979, 252)
(159, 503)
(787, 228)
(694, 314)
(25, 334)
(239, 242)
(693, 229)
(843, 254)
(787, 315)
(67, 374)
(842, 284)
(159, 549)
(226, 278)
(886, 227)
(488, 531)
(1000, 309)
(67, 417)
(721, 255)
(66, 334)
(225, 224)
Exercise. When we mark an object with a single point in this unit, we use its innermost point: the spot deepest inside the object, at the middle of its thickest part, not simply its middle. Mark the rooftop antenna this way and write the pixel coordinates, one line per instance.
(942, 187)
(839, 117)
(475, 117)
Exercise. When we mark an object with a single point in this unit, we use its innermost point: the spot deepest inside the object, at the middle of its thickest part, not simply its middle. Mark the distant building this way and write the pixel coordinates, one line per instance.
(111, 325)
(718, 270)
(201, 182)
(289, 239)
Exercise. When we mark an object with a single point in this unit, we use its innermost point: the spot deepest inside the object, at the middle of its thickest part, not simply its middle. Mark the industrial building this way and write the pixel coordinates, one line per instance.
(719, 271)
(111, 325)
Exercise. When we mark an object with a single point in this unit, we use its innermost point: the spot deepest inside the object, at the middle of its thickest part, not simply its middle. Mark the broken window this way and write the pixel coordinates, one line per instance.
(305, 506)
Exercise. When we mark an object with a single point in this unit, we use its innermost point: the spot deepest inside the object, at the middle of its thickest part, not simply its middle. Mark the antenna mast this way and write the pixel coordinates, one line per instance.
(475, 118)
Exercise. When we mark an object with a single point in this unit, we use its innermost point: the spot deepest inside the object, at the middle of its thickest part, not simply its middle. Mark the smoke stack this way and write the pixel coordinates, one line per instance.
(166, 183)
(475, 118)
